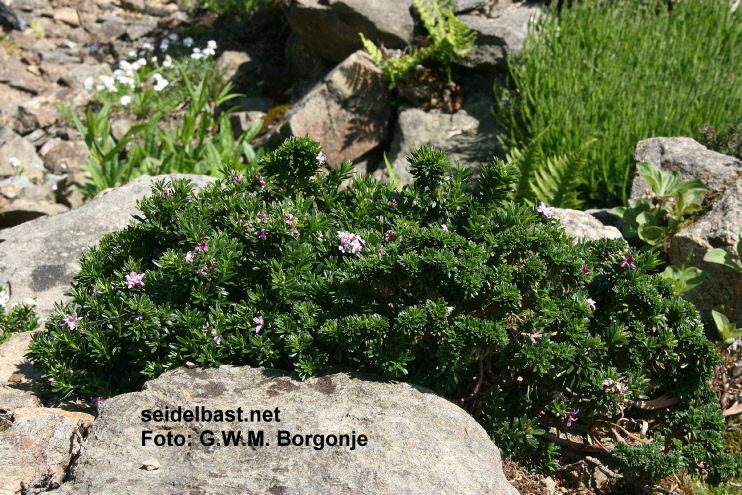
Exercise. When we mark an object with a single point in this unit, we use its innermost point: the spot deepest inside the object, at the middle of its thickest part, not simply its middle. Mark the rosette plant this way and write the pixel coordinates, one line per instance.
(484, 300)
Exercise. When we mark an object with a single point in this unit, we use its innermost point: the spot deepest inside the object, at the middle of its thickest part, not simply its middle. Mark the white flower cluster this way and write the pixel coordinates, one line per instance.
(4, 296)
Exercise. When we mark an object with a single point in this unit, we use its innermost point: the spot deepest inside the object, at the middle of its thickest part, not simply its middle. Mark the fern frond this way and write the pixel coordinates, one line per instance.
(461, 35)
(556, 182)
(528, 162)
(373, 50)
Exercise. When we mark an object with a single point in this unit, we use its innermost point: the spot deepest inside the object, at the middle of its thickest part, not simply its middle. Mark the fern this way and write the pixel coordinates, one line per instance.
(452, 39)
(527, 162)
(556, 182)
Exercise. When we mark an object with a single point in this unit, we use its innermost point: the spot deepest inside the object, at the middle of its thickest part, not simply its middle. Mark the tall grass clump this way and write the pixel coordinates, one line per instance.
(618, 73)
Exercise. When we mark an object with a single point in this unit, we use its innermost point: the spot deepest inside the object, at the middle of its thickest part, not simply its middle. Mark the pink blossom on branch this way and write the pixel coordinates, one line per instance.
(134, 279)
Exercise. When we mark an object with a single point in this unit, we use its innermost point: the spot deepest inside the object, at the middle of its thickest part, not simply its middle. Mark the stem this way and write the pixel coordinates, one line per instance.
(734, 301)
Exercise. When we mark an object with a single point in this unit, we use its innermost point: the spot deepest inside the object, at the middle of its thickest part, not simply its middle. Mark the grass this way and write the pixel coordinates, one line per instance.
(621, 74)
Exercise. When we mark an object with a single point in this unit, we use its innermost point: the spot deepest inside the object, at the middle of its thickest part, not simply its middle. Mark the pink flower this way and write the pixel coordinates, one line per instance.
(449, 310)
(14, 161)
(70, 321)
(393, 202)
(608, 383)
(585, 270)
(293, 232)
(321, 158)
(166, 191)
(258, 320)
(544, 210)
(215, 336)
(350, 243)
(261, 234)
(238, 178)
(289, 217)
(261, 217)
(259, 179)
(379, 251)
(572, 417)
(189, 257)
(389, 235)
(444, 227)
(629, 261)
(134, 279)
(98, 401)
(590, 303)
(201, 246)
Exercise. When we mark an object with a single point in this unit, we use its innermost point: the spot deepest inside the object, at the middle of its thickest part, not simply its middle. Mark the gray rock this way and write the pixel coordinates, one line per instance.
(690, 158)
(330, 27)
(29, 5)
(140, 28)
(109, 31)
(417, 442)
(468, 136)
(23, 210)
(718, 228)
(499, 37)
(235, 65)
(301, 61)
(77, 75)
(58, 57)
(241, 121)
(64, 156)
(583, 225)
(39, 112)
(40, 257)
(347, 112)
(252, 104)
(464, 6)
(19, 148)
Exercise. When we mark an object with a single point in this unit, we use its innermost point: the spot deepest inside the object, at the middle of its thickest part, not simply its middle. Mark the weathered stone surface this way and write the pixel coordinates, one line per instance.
(330, 27)
(301, 61)
(12, 360)
(17, 148)
(36, 113)
(140, 28)
(690, 158)
(77, 75)
(64, 156)
(463, 6)
(582, 225)
(35, 453)
(40, 257)
(348, 111)
(12, 398)
(235, 65)
(417, 442)
(24, 210)
(58, 57)
(719, 228)
(23, 414)
(500, 36)
(68, 16)
(468, 136)
(109, 31)
(16, 75)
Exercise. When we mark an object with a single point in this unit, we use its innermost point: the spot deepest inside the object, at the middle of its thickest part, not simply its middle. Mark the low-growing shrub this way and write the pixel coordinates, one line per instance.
(727, 141)
(20, 318)
(484, 300)
(620, 72)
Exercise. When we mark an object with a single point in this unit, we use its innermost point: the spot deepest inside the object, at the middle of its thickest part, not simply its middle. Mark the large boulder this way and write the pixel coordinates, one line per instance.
(690, 158)
(408, 440)
(330, 27)
(40, 257)
(718, 228)
(348, 111)
(581, 225)
(500, 36)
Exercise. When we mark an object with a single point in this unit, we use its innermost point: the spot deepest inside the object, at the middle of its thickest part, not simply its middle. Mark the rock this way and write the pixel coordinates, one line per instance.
(140, 28)
(690, 158)
(11, 398)
(40, 192)
(64, 156)
(718, 228)
(35, 454)
(235, 65)
(19, 150)
(16, 75)
(463, 6)
(500, 36)
(109, 31)
(252, 104)
(330, 27)
(80, 36)
(23, 210)
(348, 111)
(12, 359)
(76, 77)
(58, 57)
(30, 5)
(405, 427)
(67, 15)
(582, 225)
(241, 121)
(41, 256)
(468, 136)
(23, 414)
(301, 61)
(71, 196)
(120, 127)
(36, 113)
(133, 5)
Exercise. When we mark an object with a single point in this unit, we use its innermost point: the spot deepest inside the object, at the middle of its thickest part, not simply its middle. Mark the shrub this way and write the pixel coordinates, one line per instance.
(621, 74)
(486, 301)
(20, 318)
(728, 141)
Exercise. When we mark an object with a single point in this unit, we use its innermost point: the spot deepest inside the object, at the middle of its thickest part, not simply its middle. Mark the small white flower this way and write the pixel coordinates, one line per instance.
(164, 45)
(211, 44)
(4, 296)
(208, 52)
(132, 54)
(29, 301)
(161, 84)
(188, 42)
(88, 83)
(63, 166)
(148, 47)
(142, 62)
(99, 87)
(125, 100)
(167, 62)
(590, 303)
(173, 37)
(196, 56)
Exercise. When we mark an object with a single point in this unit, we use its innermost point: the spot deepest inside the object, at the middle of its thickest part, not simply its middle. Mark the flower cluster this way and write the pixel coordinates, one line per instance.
(350, 243)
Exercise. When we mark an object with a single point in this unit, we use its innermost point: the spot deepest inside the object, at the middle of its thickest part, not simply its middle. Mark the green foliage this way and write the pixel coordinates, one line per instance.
(602, 70)
(684, 279)
(485, 301)
(451, 39)
(677, 198)
(20, 318)
(230, 8)
(727, 330)
(728, 141)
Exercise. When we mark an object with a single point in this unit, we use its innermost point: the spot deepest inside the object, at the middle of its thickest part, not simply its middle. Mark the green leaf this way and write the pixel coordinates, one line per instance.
(723, 258)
